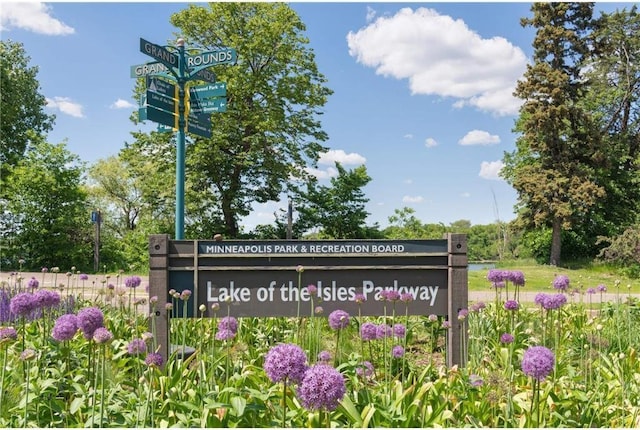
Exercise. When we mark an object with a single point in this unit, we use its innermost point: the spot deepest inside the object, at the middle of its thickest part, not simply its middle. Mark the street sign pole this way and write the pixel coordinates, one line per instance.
(180, 150)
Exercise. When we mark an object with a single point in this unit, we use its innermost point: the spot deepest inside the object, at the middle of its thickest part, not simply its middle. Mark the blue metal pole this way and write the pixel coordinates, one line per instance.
(180, 149)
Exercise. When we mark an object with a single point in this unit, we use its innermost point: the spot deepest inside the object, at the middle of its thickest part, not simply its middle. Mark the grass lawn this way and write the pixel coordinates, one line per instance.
(540, 277)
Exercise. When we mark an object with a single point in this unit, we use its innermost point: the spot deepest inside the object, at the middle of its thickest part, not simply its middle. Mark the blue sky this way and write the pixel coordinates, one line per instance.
(422, 92)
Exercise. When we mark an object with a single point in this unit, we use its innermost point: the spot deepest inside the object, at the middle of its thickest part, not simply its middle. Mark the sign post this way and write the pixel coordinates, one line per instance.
(161, 104)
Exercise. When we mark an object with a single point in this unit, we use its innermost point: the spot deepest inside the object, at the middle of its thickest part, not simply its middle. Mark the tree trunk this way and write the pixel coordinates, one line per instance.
(556, 242)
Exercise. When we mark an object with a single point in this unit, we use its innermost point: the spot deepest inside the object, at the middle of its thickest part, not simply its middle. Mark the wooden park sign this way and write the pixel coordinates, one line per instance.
(266, 278)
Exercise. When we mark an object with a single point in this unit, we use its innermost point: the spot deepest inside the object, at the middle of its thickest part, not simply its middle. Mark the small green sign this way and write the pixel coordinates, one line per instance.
(158, 52)
(218, 89)
(162, 117)
(211, 58)
(161, 101)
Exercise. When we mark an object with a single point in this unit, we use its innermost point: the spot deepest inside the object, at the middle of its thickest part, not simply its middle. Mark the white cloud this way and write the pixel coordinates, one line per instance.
(122, 104)
(65, 105)
(371, 13)
(443, 57)
(408, 136)
(338, 155)
(412, 199)
(31, 16)
(479, 137)
(491, 169)
(430, 142)
(329, 172)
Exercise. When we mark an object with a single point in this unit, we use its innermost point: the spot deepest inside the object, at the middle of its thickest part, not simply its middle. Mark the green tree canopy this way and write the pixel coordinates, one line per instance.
(48, 198)
(22, 116)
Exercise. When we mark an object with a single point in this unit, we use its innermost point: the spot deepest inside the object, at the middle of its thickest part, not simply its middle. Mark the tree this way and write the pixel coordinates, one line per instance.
(552, 168)
(270, 132)
(339, 209)
(613, 96)
(47, 197)
(21, 106)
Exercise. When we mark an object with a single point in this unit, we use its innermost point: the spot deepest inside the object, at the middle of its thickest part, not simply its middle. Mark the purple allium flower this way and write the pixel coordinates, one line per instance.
(46, 299)
(137, 347)
(168, 306)
(44, 270)
(602, 288)
(228, 323)
(511, 305)
(539, 299)
(318, 310)
(365, 369)
(393, 296)
(477, 307)
(495, 275)
(432, 318)
(399, 330)
(324, 356)
(446, 325)
(225, 334)
(462, 314)
(406, 297)
(383, 330)
(591, 290)
(554, 301)
(359, 298)
(28, 355)
(538, 362)
(338, 319)
(382, 295)
(475, 380)
(7, 334)
(397, 351)
(368, 331)
(516, 277)
(185, 294)
(102, 335)
(312, 290)
(33, 283)
(83, 277)
(285, 362)
(65, 327)
(132, 282)
(89, 319)
(561, 282)
(22, 304)
(322, 388)
(506, 338)
(153, 359)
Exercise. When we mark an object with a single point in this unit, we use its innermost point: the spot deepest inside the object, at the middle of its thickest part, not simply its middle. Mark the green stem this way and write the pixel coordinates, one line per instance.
(104, 352)
(26, 400)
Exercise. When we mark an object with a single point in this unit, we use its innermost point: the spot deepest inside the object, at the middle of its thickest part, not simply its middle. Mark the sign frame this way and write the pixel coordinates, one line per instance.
(211, 269)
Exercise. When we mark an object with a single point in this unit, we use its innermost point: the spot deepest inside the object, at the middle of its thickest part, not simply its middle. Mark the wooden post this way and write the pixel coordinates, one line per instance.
(159, 287)
(458, 299)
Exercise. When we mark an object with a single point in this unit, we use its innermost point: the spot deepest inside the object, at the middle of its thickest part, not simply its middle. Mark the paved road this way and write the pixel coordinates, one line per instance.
(97, 282)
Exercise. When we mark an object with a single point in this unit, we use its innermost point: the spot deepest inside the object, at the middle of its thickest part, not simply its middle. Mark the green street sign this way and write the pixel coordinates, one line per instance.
(211, 58)
(160, 86)
(210, 106)
(155, 69)
(164, 129)
(142, 113)
(162, 117)
(158, 52)
(204, 75)
(203, 130)
(219, 89)
(161, 101)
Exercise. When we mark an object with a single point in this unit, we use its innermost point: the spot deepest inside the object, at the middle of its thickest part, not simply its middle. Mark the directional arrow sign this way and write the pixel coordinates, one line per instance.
(210, 106)
(162, 117)
(156, 69)
(206, 59)
(159, 86)
(158, 52)
(203, 130)
(161, 101)
(219, 89)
